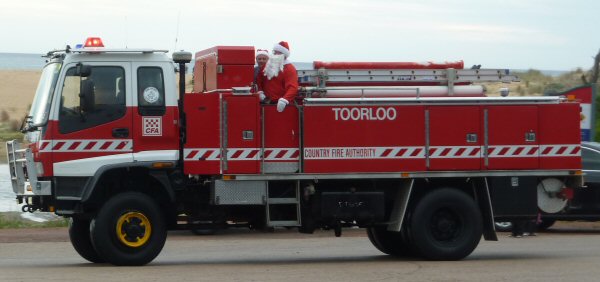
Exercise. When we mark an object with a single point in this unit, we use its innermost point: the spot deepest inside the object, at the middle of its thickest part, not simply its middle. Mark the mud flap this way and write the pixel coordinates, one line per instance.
(482, 195)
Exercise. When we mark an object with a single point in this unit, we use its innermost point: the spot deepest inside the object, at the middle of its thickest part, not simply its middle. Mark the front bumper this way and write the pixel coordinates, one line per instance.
(23, 173)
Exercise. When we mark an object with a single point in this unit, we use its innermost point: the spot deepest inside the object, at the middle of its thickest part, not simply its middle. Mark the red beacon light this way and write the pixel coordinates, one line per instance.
(93, 42)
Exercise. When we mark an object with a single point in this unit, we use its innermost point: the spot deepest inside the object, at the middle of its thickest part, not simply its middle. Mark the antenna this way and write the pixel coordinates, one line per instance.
(177, 31)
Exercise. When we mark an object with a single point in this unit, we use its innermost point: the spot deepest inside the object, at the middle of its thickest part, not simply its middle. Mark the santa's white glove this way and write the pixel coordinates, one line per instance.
(281, 103)
(261, 95)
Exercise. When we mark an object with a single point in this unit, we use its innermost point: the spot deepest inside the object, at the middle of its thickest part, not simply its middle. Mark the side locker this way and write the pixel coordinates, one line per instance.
(202, 150)
(559, 136)
(241, 126)
(512, 137)
(281, 148)
(454, 137)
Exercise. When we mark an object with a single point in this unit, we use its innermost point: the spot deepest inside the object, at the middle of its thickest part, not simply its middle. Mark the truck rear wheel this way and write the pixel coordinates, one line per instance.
(388, 242)
(446, 225)
(79, 233)
(129, 230)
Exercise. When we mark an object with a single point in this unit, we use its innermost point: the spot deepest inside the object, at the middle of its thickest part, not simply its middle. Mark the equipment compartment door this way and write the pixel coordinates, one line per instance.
(241, 153)
(512, 137)
(454, 138)
(282, 139)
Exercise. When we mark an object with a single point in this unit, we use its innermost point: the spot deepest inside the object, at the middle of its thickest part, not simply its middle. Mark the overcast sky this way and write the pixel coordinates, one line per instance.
(517, 34)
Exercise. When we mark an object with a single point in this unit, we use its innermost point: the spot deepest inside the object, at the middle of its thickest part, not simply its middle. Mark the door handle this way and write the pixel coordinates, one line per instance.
(120, 132)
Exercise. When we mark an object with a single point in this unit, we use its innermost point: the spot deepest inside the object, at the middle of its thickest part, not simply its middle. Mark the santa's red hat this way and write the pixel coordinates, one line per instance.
(262, 52)
(282, 47)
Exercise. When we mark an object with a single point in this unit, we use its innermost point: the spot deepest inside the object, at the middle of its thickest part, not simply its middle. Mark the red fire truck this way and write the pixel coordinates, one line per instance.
(413, 152)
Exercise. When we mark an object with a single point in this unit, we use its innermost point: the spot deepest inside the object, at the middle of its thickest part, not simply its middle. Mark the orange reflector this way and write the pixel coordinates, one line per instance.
(578, 172)
(51, 208)
(162, 165)
(405, 174)
(228, 177)
(571, 97)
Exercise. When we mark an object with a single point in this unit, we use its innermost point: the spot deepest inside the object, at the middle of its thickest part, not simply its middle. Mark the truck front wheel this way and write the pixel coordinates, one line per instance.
(446, 225)
(129, 230)
(79, 233)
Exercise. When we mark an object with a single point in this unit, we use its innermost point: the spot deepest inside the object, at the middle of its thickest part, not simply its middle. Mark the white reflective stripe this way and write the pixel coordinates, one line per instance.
(156, 155)
(87, 145)
(89, 166)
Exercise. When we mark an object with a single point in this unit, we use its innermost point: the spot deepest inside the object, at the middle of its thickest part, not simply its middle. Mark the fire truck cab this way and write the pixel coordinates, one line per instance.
(415, 153)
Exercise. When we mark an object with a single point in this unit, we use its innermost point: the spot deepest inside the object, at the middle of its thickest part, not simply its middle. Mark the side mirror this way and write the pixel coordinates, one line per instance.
(86, 96)
(83, 70)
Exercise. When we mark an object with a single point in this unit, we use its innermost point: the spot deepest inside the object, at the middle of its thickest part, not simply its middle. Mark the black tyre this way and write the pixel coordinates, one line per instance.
(446, 224)
(503, 226)
(129, 230)
(79, 233)
(545, 224)
(388, 242)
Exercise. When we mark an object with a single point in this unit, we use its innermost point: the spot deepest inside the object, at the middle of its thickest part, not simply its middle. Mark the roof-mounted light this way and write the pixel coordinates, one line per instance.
(93, 42)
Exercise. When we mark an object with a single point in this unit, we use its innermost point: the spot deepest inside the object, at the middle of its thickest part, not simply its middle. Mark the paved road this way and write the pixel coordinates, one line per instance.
(565, 254)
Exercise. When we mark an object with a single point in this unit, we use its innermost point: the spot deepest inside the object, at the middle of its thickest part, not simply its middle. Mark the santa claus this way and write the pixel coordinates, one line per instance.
(279, 80)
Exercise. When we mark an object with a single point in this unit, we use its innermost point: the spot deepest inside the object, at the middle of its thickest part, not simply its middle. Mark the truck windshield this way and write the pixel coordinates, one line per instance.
(43, 95)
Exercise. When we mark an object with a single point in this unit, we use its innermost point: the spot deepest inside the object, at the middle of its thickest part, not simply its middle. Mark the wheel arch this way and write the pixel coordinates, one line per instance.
(157, 184)
(415, 189)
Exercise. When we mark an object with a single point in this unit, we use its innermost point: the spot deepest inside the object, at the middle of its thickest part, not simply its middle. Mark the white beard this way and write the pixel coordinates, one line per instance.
(274, 66)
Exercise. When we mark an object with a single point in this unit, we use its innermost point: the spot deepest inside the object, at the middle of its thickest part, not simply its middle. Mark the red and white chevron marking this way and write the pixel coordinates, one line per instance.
(282, 154)
(454, 152)
(243, 154)
(567, 150)
(202, 154)
(86, 145)
(513, 151)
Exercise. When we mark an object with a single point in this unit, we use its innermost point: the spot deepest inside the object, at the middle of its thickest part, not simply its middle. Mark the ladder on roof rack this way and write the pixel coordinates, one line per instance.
(322, 77)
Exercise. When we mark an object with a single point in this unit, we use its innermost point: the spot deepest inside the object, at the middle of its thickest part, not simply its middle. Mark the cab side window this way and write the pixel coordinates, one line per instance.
(151, 91)
(108, 92)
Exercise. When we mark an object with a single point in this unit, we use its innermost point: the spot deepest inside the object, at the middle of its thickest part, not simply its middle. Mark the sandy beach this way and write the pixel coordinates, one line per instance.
(17, 88)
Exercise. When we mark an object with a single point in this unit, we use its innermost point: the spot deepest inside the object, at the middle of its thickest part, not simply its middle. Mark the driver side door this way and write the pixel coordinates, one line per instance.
(85, 139)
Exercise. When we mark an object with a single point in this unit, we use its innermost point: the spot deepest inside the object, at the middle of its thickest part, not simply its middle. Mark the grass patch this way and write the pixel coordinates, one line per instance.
(7, 134)
(14, 220)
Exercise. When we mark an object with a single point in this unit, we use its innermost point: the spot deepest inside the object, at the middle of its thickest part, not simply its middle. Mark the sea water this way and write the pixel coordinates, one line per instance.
(16, 61)
(8, 202)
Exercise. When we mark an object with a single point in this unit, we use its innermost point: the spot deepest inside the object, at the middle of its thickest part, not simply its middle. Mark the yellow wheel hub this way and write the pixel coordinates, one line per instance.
(133, 229)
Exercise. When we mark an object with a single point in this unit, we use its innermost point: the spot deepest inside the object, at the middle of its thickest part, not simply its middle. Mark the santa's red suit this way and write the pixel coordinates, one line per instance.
(284, 85)
(279, 78)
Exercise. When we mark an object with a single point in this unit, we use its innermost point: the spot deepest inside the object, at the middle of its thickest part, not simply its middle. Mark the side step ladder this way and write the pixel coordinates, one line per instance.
(283, 203)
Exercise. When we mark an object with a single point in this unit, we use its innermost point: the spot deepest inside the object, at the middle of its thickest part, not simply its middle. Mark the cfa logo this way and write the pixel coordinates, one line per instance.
(365, 113)
(152, 126)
